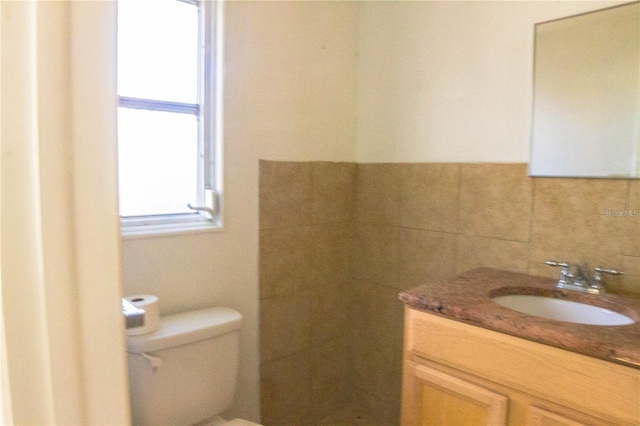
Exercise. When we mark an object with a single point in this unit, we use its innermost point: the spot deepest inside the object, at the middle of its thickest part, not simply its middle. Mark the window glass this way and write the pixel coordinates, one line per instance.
(158, 50)
(158, 155)
(165, 119)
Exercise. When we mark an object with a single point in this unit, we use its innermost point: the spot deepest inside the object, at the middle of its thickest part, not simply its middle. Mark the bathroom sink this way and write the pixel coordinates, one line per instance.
(562, 310)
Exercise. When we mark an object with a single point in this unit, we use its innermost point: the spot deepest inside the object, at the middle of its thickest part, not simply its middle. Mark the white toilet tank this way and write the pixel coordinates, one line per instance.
(186, 371)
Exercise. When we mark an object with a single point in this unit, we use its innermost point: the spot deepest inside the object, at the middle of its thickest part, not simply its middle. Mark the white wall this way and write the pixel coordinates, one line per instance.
(444, 81)
(292, 74)
(289, 95)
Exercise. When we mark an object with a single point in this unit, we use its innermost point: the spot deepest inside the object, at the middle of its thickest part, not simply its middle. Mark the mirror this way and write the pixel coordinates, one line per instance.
(586, 108)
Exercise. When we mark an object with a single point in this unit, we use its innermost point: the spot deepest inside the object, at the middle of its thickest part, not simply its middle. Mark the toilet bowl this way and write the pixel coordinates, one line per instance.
(185, 373)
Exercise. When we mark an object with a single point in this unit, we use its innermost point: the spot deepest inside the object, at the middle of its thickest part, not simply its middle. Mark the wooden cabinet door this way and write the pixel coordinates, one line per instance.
(431, 397)
(541, 417)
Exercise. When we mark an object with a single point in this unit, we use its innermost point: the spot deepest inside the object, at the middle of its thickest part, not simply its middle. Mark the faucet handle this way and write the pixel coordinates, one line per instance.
(600, 270)
(565, 274)
(555, 263)
(597, 283)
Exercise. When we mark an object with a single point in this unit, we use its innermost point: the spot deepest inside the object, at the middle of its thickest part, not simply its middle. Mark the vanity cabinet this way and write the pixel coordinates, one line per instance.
(458, 374)
(437, 398)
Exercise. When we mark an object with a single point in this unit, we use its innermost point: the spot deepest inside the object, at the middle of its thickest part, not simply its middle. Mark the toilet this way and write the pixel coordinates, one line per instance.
(185, 373)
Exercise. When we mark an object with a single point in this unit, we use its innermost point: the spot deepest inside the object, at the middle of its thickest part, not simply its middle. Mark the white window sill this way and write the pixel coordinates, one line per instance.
(132, 231)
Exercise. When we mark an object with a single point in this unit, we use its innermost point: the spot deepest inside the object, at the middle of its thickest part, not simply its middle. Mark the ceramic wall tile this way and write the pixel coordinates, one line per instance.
(378, 314)
(333, 196)
(306, 214)
(474, 252)
(431, 196)
(330, 379)
(426, 256)
(330, 251)
(285, 260)
(629, 283)
(285, 194)
(379, 193)
(571, 218)
(376, 253)
(331, 305)
(385, 412)
(285, 325)
(632, 220)
(377, 369)
(495, 201)
(286, 397)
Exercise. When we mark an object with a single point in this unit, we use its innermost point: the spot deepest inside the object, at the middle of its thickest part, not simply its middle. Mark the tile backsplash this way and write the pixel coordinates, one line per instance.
(338, 240)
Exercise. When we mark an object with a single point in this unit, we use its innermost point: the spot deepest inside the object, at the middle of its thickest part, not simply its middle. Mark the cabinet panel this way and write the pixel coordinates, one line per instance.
(436, 398)
(541, 417)
(554, 374)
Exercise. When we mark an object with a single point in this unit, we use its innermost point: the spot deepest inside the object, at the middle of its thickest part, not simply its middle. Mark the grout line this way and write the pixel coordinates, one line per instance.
(458, 221)
(532, 210)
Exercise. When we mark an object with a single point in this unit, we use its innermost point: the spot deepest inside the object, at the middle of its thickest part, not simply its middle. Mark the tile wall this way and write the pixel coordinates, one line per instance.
(338, 241)
(306, 222)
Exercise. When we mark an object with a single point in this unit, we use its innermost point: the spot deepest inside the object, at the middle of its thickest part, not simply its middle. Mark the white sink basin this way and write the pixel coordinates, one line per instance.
(562, 310)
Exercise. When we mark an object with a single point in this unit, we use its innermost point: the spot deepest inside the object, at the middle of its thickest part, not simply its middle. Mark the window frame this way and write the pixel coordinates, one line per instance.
(207, 214)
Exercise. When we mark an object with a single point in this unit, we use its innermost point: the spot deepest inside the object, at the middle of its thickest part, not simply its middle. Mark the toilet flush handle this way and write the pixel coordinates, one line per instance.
(155, 360)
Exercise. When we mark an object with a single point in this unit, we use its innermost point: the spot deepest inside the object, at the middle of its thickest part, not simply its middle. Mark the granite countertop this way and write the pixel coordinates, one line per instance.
(467, 298)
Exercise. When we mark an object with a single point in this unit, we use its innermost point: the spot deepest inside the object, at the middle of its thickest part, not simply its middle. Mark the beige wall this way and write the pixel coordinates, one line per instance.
(445, 81)
(289, 94)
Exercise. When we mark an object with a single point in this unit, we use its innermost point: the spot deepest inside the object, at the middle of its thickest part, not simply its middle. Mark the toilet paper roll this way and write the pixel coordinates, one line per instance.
(151, 306)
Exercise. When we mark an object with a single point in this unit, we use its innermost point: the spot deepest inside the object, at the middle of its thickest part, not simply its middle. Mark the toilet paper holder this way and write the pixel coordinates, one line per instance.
(134, 316)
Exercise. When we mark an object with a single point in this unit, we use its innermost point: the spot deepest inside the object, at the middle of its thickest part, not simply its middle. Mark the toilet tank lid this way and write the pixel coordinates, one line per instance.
(185, 328)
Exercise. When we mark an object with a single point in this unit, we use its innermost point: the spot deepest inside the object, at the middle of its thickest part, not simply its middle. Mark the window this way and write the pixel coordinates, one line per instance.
(166, 117)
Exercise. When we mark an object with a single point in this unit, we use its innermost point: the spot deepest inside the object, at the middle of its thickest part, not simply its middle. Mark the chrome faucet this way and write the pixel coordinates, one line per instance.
(580, 275)
(575, 277)
(597, 284)
(566, 277)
